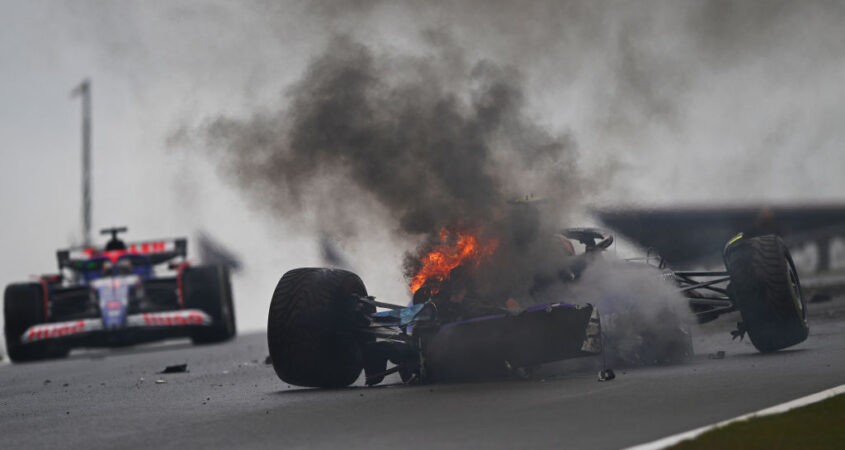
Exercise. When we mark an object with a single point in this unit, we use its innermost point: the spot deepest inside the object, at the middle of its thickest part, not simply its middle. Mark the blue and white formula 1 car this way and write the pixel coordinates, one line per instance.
(115, 296)
(323, 327)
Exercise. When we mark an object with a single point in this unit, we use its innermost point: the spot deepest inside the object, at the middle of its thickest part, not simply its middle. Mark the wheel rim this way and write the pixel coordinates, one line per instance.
(796, 290)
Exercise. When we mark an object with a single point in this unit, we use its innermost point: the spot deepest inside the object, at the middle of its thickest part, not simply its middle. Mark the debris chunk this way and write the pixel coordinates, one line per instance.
(267, 360)
(606, 375)
(739, 333)
(161, 381)
(718, 355)
(178, 368)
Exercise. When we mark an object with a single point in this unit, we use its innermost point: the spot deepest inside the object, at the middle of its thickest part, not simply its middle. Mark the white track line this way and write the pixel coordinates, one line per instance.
(777, 409)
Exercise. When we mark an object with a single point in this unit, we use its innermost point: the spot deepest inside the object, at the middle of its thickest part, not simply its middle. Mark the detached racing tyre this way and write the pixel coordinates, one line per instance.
(312, 328)
(209, 289)
(23, 307)
(767, 291)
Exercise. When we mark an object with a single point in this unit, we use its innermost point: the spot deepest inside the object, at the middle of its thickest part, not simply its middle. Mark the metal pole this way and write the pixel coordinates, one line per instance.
(84, 89)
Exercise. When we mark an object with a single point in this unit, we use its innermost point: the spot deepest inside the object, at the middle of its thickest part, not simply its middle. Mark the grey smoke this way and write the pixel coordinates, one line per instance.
(717, 101)
(645, 319)
(331, 254)
(212, 251)
(668, 102)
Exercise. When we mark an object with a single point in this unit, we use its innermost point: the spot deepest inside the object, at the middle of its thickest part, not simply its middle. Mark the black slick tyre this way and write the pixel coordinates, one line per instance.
(311, 330)
(767, 292)
(208, 288)
(23, 307)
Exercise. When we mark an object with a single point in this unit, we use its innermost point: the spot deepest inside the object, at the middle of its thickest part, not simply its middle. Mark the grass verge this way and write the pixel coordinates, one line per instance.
(817, 426)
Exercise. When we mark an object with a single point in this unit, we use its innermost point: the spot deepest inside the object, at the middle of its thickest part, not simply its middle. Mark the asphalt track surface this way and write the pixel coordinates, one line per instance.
(230, 398)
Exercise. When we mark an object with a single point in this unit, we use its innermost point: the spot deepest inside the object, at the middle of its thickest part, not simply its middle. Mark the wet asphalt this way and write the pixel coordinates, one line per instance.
(230, 398)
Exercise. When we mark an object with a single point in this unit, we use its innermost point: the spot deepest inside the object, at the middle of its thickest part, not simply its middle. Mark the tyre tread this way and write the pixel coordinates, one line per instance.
(759, 269)
(310, 328)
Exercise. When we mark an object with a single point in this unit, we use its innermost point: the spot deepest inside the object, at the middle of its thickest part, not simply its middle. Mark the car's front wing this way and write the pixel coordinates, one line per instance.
(73, 328)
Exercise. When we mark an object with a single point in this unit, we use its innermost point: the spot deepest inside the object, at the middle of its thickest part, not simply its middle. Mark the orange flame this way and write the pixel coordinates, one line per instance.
(438, 263)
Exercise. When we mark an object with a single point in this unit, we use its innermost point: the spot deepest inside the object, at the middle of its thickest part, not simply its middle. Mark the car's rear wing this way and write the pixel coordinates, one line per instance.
(158, 251)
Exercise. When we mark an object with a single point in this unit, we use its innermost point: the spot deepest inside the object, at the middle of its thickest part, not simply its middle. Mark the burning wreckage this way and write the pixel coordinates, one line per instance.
(324, 327)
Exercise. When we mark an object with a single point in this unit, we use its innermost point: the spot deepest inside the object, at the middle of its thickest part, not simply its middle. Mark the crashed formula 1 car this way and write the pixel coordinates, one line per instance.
(324, 328)
(115, 296)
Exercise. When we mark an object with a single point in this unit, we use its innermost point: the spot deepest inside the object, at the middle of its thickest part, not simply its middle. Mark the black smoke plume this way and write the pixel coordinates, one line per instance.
(415, 142)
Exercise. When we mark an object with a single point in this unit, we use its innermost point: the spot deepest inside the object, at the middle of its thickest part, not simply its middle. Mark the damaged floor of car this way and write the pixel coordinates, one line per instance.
(228, 396)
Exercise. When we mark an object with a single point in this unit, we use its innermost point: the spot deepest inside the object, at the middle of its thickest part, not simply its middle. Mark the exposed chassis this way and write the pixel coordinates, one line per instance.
(497, 343)
(707, 292)
(401, 332)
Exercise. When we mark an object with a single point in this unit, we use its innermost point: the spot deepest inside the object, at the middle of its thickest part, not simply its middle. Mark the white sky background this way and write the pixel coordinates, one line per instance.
(667, 105)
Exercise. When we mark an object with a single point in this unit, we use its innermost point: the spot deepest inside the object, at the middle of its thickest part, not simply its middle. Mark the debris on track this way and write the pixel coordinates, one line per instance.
(606, 375)
(178, 368)
(718, 355)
